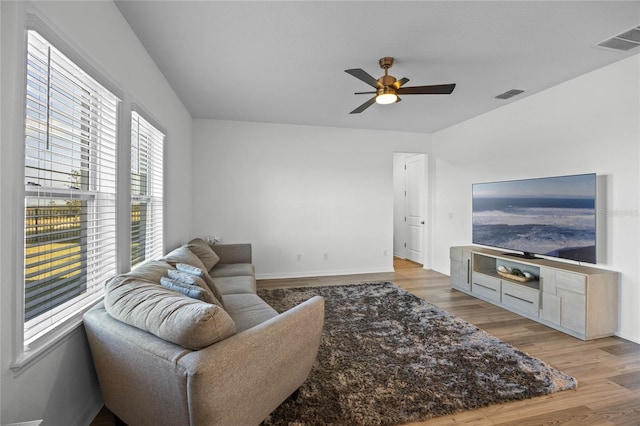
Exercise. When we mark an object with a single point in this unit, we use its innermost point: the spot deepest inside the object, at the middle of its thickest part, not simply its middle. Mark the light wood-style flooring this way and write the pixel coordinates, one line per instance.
(608, 369)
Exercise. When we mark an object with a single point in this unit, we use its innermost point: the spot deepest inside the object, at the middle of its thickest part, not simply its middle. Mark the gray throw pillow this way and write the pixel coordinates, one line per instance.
(183, 255)
(205, 253)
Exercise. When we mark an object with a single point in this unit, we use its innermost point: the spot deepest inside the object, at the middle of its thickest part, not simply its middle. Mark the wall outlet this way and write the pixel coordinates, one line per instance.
(299, 257)
(326, 256)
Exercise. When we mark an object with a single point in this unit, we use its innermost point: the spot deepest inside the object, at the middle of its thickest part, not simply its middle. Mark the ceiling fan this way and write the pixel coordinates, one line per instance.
(388, 88)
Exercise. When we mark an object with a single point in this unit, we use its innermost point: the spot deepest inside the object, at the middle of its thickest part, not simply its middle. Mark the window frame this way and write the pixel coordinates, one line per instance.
(25, 355)
(152, 198)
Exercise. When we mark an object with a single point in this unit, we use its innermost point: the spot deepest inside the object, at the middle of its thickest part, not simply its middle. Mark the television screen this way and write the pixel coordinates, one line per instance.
(554, 216)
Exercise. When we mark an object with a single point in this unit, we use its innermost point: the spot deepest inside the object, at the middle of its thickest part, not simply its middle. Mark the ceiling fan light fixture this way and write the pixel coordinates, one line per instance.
(386, 95)
(386, 98)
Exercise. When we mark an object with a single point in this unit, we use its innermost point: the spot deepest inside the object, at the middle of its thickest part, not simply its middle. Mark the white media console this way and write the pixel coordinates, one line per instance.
(578, 300)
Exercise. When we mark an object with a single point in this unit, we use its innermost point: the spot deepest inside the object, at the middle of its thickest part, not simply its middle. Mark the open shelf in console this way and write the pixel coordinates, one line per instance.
(488, 265)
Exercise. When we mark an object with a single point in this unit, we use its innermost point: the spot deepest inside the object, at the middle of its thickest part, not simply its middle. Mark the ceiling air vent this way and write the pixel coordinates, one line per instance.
(509, 94)
(622, 42)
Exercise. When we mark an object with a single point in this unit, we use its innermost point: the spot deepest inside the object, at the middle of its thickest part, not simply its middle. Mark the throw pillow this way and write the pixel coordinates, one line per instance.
(194, 281)
(201, 273)
(183, 255)
(205, 253)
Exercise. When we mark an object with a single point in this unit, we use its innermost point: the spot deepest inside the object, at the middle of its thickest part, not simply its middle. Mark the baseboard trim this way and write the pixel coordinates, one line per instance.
(92, 410)
(308, 274)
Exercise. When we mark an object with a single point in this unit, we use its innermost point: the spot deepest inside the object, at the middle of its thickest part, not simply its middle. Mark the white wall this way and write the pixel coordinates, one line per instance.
(299, 190)
(588, 124)
(60, 387)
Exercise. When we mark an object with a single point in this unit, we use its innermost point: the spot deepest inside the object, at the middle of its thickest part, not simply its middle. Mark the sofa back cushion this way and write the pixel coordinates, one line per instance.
(151, 270)
(145, 304)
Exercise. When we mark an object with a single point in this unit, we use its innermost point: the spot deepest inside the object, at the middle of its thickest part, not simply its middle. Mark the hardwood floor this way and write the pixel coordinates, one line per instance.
(608, 369)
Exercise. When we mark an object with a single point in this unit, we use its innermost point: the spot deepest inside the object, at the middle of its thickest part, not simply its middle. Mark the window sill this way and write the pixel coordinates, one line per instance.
(48, 343)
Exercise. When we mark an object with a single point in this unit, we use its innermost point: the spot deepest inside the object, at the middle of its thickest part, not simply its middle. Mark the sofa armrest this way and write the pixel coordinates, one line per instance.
(233, 253)
(139, 375)
(243, 378)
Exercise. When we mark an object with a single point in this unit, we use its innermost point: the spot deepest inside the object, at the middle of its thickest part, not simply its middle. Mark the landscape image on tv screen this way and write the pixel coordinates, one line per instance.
(553, 216)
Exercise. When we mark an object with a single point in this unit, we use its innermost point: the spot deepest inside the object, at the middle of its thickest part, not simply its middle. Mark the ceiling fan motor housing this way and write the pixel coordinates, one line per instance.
(387, 80)
(386, 90)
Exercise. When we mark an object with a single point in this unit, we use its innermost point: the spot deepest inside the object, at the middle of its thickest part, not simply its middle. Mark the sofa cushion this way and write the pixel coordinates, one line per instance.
(232, 270)
(248, 310)
(202, 274)
(183, 255)
(205, 253)
(151, 270)
(169, 315)
(236, 285)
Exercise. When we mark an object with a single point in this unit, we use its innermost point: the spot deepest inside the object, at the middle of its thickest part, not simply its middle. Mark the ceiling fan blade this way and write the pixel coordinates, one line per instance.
(398, 100)
(437, 89)
(398, 84)
(364, 106)
(364, 76)
(364, 93)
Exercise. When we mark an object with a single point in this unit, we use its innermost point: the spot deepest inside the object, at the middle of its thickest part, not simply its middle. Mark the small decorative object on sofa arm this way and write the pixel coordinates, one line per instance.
(164, 358)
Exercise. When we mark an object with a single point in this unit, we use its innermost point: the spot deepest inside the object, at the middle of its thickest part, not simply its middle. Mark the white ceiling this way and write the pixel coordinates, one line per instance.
(284, 62)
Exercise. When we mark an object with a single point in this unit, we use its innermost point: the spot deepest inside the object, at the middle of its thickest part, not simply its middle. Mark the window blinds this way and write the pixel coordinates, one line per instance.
(70, 188)
(146, 190)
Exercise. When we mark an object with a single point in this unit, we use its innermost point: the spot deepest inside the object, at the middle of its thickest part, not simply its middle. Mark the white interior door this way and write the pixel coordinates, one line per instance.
(414, 192)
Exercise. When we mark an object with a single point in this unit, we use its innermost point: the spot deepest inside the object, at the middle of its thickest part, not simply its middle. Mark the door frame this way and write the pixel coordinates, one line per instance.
(399, 208)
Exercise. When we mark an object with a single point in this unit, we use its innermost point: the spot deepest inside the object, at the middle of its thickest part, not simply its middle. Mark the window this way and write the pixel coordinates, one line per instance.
(70, 188)
(146, 190)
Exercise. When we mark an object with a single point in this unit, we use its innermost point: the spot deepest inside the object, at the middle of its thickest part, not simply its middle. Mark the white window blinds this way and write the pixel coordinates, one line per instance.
(146, 190)
(70, 188)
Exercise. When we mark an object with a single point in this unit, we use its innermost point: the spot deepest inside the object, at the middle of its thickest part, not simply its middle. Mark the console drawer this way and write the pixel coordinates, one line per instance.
(570, 281)
(520, 298)
(486, 286)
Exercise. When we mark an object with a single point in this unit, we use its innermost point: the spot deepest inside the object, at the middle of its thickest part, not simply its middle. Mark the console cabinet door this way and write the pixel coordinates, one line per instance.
(550, 302)
(564, 299)
(460, 268)
(571, 288)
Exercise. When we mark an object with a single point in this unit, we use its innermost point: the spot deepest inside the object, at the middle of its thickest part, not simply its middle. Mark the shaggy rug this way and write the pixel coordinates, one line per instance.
(388, 357)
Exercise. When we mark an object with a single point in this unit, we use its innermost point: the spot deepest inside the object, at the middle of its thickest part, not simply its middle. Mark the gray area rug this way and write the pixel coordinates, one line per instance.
(388, 357)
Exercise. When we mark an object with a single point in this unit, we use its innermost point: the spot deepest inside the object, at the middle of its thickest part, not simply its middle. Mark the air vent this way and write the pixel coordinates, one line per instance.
(624, 41)
(509, 94)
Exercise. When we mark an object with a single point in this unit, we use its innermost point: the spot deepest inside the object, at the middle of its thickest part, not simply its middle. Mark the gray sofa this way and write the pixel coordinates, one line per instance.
(164, 358)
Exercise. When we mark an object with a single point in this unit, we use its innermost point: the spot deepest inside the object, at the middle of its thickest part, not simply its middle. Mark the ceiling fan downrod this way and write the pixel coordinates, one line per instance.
(386, 63)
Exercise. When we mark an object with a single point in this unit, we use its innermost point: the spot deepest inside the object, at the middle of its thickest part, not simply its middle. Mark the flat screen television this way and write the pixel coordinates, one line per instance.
(551, 216)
